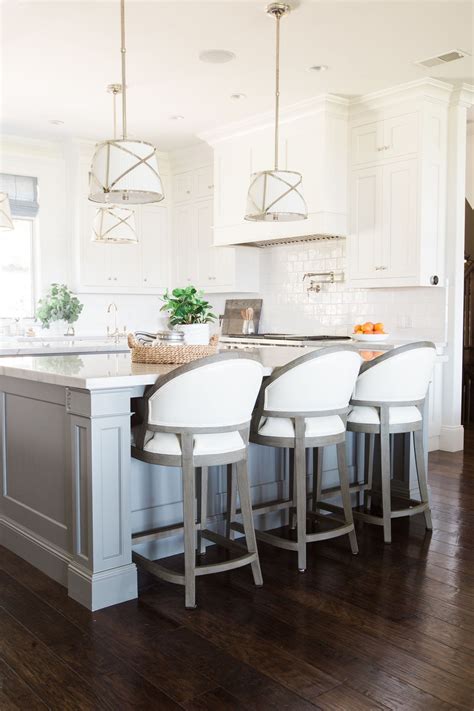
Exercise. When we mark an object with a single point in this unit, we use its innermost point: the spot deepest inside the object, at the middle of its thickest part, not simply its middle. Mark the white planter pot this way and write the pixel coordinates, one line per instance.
(196, 334)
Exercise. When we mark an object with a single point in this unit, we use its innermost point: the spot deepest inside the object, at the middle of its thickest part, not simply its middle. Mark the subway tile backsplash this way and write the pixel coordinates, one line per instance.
(289, 307)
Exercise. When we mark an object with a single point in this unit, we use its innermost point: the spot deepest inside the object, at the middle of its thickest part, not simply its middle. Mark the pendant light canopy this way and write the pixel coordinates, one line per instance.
(125, 171)
(114, 223)
(275, 195)
(6, 222)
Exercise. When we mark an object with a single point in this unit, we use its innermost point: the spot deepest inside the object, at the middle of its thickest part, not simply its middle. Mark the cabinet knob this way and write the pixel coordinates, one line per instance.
(381, 148)
(188, 192)
(386, 148)
(115, 278)
(145, 279)
(110, 278)
(209, 187)
(434, 280)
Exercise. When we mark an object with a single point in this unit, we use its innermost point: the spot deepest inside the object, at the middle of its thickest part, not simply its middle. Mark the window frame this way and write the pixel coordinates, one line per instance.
(33, 231)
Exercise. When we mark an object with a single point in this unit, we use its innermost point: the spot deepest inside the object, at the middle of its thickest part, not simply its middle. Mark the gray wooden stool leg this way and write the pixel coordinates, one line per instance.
(231, 501)
(345, 493)
(291, 487)
(300, 480)
(370, 472)
(385, 474)
(317, 476)
(202, 478)
(189, 495)
(247, 517)
(421, 474)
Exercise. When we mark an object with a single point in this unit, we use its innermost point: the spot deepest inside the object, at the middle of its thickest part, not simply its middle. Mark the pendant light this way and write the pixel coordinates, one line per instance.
(275, 195)
(114, 223)
(6, 222)
(125, 171)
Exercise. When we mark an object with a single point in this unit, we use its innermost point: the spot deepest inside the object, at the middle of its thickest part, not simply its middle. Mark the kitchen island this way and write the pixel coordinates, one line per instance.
(72, 495)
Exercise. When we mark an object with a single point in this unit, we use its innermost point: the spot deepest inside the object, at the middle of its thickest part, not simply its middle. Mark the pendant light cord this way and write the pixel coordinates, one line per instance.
(124, 85)
(277, 86)
(114, 97)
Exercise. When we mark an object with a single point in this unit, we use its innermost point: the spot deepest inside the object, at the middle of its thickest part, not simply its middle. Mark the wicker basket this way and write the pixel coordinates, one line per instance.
(175, 355)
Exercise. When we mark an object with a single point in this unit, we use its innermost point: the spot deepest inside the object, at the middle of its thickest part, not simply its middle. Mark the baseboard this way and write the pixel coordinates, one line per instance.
(51, 560)
(98, 590)
(433, 443)
(451, 439)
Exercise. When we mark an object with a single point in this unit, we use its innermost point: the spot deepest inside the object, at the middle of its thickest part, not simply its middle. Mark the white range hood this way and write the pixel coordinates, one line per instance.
(313, 141)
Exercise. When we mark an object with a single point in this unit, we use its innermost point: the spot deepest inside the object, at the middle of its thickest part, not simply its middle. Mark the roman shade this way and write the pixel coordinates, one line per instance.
(22, 191)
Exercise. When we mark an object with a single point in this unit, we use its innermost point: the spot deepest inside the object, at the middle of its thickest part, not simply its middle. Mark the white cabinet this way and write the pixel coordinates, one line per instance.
(398, 195)
(155, 247)
(126, 268)
(199, 262)
(193, 184)
(183, 186)
(385, 139)
(384, 210)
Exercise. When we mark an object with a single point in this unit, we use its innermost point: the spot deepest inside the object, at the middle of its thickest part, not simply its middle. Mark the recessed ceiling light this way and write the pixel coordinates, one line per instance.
(319, 68)
(216, 56)
(237, 97)
(56, 122)
(177, 117)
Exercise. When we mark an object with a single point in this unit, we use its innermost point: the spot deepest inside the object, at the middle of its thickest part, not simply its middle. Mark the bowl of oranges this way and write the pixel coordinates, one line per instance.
(370, 332)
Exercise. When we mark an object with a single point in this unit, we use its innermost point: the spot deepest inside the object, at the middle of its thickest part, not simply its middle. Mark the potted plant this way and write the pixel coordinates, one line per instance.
(59, 305)
(190, 313)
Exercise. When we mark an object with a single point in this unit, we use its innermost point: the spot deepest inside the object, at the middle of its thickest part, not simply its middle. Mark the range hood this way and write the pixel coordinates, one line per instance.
(314, 142)
(282, 241)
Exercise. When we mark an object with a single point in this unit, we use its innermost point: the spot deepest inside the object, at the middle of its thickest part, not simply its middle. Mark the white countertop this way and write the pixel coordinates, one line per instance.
(116, 370)
(113, 370)
(62, 345)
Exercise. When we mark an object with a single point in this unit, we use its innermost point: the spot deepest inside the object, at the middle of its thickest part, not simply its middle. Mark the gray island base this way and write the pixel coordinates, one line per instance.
(72, 495)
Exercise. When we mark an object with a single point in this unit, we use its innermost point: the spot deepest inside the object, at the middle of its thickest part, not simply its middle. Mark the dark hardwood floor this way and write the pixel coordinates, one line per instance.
(391, 628)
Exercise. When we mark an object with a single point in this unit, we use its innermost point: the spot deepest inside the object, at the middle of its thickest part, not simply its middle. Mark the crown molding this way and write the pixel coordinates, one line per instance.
(327, 103)
(425, 88)
(463, 96)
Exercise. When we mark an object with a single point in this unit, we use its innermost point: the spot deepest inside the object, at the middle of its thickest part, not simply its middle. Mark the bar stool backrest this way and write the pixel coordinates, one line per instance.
(400, 375)
(317, 383)
(213, 393)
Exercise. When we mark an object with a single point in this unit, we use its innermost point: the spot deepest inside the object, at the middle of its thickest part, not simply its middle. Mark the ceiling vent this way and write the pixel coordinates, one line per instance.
(444, 58)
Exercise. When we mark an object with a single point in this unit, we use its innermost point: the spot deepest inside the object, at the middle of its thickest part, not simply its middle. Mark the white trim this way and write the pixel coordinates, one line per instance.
(451, 438)
(98, 590)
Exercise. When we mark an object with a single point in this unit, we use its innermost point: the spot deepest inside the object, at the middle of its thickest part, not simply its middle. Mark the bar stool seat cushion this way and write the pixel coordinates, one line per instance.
(364, 415)
(169, 443)
(315, 426)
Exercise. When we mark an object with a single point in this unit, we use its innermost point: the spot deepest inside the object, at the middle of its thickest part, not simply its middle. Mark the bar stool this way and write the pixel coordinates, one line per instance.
(197, 416)
(389, 398)
(304, 405)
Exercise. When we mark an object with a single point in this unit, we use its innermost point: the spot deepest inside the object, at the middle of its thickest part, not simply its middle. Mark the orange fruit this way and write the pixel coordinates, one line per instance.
(368, 327)
(379, 327)
(357, 328)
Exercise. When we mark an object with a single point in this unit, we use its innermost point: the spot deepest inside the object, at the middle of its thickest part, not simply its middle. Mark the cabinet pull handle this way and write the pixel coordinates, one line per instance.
(380, 269)
(386, 148)
(209, 187)
(381, 148)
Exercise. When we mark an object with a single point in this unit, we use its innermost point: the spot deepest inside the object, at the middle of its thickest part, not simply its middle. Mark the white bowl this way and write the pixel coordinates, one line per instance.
(371, 337)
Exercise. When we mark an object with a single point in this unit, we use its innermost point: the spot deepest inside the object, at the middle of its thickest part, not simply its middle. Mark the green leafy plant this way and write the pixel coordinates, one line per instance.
(59, 304)
(186, 306)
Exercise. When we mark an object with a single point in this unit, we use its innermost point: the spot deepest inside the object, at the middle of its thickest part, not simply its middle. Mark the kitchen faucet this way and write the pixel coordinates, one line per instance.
(115, 333)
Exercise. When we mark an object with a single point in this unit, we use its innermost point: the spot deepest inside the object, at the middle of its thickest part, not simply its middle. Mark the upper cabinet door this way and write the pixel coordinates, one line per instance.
(186, 245)
(183, 186)
(365, 237)
(233, 180)
(368, 143)
(215, 263)
(124, 265)
(401, 136)
(204, 182)
(155, 247)
(400, 235)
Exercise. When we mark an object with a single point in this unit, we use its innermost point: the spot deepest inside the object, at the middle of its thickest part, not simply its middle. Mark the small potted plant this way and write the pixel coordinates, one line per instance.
(190, 313)
(59, 305)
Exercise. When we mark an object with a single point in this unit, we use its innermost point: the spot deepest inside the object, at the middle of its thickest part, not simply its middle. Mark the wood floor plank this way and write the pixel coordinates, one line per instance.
(15, 694)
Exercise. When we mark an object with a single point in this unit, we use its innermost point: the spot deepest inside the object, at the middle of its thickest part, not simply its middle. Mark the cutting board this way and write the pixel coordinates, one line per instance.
(233, 321)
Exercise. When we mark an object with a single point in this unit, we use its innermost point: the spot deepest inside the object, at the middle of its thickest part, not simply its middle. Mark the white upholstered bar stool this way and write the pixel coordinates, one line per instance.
(304, 405)
(194, 417)
(389, 398)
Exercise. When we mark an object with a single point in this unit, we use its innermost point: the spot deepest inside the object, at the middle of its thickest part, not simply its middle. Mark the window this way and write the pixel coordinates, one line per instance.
(16, 270)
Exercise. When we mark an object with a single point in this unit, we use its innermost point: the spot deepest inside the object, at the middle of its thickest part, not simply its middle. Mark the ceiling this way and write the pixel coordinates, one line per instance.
(58, 58)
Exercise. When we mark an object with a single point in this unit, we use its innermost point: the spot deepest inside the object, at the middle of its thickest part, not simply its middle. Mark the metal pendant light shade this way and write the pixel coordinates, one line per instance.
(6, 222)
(114, 224)
(125, 171)
(276, 195)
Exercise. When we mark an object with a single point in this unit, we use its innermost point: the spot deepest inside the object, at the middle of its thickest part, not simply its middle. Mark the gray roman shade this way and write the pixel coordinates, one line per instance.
(23, 193)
